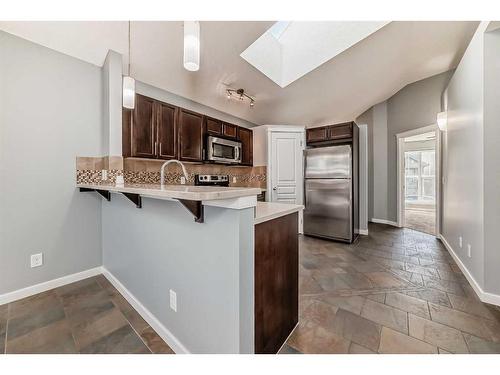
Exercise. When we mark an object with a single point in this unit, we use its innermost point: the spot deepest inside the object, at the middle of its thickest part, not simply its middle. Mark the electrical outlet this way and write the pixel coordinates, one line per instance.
(460, 241)
(104, 174)
(36, 260)
(183, 180)
(173, 300)
(234, 179)
(469, 250)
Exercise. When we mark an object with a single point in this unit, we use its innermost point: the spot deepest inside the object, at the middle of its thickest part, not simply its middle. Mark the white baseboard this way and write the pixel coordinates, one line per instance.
(162, 331)
(47, 285)
(383, 221)
(364, 232)
(486, 297)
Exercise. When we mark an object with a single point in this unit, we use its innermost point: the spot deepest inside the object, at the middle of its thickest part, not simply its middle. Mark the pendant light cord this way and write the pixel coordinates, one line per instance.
(129, 48)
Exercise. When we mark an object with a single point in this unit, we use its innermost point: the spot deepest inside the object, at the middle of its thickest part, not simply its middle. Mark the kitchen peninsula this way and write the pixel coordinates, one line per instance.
(206, 285)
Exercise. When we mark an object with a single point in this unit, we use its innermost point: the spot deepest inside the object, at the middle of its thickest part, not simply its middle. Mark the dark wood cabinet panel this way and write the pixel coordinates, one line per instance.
(229, 130)
(167, 131)
(126, 132)
(276, 282)
(340, 131)
(317, 134)
(213, 126)
(144, 128)
(190, 128)
(246, 138)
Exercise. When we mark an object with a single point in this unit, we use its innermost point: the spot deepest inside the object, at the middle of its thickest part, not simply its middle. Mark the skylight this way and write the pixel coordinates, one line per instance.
(290, 49)
(278, 28)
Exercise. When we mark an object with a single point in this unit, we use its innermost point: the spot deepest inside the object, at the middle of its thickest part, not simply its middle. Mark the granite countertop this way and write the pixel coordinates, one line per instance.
(266, 211)
(189, 192)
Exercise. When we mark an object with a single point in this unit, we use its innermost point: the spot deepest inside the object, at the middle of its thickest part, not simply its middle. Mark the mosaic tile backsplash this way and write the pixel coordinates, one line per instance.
(134, 170)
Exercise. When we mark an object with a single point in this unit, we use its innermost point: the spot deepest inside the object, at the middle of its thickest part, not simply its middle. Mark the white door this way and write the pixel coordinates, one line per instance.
(286, 167)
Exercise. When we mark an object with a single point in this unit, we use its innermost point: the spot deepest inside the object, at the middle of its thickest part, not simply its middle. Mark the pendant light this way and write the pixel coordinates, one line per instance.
(192, 45)
(128, 82)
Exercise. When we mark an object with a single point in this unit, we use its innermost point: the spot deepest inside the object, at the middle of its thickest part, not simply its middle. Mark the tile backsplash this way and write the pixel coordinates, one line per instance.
(135, 170)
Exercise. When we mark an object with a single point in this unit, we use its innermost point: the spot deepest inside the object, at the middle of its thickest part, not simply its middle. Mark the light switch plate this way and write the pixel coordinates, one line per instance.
(469, 250)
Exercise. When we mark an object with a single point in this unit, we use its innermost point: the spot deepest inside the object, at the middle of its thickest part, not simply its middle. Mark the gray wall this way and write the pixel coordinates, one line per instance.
(463, 159)
(112, 104)
(413, 107)
(380, 157)
(50, 112)
(209, 266)
(168, 97)
(367, 119)
(491, 160)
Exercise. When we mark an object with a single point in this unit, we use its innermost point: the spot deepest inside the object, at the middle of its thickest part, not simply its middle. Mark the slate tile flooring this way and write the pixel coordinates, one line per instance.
(89, 316)
(394, 291)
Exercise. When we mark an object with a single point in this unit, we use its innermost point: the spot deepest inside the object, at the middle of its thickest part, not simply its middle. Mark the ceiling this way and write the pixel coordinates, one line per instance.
(338, 90)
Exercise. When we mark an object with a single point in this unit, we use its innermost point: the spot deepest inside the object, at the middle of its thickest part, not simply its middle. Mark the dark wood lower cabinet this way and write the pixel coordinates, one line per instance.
(276, 282)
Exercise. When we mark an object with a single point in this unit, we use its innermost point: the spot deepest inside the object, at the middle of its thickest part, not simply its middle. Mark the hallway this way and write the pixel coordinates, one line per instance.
(394, 291)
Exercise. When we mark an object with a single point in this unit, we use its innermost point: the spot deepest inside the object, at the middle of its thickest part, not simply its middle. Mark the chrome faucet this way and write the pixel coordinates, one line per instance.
(162, 171)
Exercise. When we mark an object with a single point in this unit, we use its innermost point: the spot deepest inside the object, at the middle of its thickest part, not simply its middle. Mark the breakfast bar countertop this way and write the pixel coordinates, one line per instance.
(266, 211)
(187, 192)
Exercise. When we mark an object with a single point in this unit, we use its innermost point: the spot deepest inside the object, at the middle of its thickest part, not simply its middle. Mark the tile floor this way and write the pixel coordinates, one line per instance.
(394, 291)
(89, 316)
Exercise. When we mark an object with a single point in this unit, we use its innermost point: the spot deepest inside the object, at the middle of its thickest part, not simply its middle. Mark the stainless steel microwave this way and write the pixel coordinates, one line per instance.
(223, 150)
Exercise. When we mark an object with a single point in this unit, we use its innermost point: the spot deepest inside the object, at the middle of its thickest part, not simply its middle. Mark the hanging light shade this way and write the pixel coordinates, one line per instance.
(128, 84)
(192, 45)
(128, 92)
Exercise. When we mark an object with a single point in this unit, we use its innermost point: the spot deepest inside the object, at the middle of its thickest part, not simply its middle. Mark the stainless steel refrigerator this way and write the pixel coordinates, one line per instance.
(331, 192)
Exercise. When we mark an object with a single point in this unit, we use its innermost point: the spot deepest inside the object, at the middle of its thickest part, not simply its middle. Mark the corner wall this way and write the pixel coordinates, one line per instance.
(414, 106)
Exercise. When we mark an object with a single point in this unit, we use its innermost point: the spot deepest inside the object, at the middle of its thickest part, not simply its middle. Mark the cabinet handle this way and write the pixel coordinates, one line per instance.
(160, 150)
(155, 147)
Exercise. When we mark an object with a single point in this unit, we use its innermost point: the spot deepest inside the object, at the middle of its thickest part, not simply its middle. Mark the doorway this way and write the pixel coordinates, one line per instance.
(418, 180)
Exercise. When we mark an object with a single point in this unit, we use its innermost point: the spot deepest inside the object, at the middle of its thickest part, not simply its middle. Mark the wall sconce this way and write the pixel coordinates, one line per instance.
(442, 121)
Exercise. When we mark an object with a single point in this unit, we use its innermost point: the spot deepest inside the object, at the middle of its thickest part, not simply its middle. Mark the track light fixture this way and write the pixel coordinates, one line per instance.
(241, 95)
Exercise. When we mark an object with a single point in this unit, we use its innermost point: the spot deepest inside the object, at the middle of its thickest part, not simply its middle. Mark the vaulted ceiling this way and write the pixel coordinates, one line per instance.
(338, 90)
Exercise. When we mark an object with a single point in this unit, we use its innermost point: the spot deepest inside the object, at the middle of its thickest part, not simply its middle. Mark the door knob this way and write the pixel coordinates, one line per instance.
(274, 188)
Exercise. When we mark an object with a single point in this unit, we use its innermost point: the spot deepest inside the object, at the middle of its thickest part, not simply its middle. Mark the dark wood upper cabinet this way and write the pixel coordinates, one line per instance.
(229, 130)
(213, 126)
(340, 131)
(325, 134)
(158, 130)
(246, 138)
(190, 128)
(167, 131)
(143, 128)
(317, 134)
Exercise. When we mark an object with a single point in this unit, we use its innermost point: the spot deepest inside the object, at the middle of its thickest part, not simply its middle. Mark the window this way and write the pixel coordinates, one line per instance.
(420, 176)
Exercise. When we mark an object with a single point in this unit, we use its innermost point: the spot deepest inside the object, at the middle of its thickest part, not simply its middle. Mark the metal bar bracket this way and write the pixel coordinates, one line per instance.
(105, 193)
(135, 198)
(196, 208)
